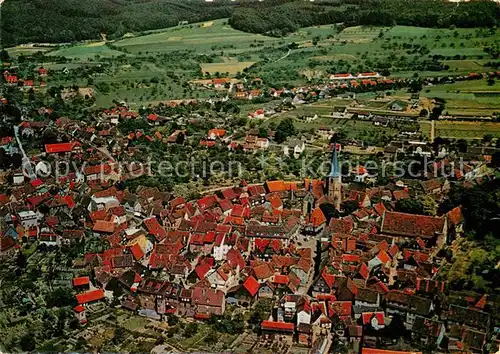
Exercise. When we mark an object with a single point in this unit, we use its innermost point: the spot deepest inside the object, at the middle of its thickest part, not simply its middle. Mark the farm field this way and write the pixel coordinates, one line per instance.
(86, 51)
(175, 56)
(467, 130)
(199, 37)
(230, 68)
(464, 98)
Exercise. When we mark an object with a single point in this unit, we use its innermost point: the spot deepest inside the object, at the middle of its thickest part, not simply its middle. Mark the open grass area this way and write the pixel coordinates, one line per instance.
(134, 323)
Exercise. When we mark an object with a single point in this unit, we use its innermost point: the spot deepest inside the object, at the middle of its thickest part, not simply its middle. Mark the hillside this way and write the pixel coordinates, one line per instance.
(288, 17)
(26, 21)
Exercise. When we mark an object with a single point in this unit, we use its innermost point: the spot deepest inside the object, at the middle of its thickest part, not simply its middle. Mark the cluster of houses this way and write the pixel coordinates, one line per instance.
(364, 276)
(10, 77)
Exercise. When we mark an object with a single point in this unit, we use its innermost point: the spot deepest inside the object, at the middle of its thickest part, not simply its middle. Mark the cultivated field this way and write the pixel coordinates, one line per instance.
(86, 51)
(172, 57)
(467, 98)
(231, 68)
(467, 130)
(199, 37)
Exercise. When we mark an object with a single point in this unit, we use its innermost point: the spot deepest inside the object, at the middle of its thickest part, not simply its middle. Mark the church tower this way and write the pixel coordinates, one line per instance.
(308, 203)
(334, 181)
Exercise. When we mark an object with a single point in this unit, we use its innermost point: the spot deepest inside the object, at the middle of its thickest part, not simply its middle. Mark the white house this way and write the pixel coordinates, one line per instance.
(262, 143)
(221, 249)
(294, 147)
(28, 219)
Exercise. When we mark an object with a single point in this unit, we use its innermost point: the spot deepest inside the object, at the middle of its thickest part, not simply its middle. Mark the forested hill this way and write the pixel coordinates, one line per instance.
(288, 17)
(24, 21)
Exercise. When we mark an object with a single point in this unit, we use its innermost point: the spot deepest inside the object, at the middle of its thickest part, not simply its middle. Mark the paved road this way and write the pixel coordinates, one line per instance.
(26, 161)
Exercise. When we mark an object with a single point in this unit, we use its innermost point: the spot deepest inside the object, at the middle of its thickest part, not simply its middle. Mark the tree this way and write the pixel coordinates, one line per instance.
(462, 145)
(410, 205)
(284, 130)
(27, 342)
(4, 55)
(172, 320)
(495, 159)
(59, 297)
(487, 138)
(436, 112)
(350, 206)
(424, 113)
(429, 206)
(191, 329)
(118, 336)
(211, 337)
(21, 260)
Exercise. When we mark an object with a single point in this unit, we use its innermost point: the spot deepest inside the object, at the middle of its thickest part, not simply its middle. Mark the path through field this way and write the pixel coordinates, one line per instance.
(284, 56)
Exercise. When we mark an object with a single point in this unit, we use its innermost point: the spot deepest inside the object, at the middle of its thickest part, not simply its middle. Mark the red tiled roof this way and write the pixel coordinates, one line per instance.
(137, 251)
(317, 217)
(403, 224)
(367, 317)
(79, 308)
(379, 208)
(383, 351)
(328, 278)
(400, 194)
(217, 133)
(341, 308)
(263, 271)
(383, 257)
(89, 296)
(81, 281)
(261, 244)
(278, 326)
(36, 183)
(203, 268)
(251, 285)
(276, 186)
(58, 148)
(364, 271)
(280, 279)
(152, 116)
(104, 226)
(482, 302)
(455, 215)
(235, 259)
(155, 229)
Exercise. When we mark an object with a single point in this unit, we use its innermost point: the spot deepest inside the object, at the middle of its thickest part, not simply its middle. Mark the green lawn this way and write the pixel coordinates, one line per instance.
(134, 323)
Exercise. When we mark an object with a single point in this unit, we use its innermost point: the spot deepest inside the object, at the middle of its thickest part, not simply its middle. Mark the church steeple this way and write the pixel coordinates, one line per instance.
(334, 180)
(334, 170)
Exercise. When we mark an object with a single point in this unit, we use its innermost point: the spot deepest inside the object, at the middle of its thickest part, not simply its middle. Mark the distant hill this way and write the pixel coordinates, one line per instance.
(24, 21)
(279, 19)
(57, 21)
